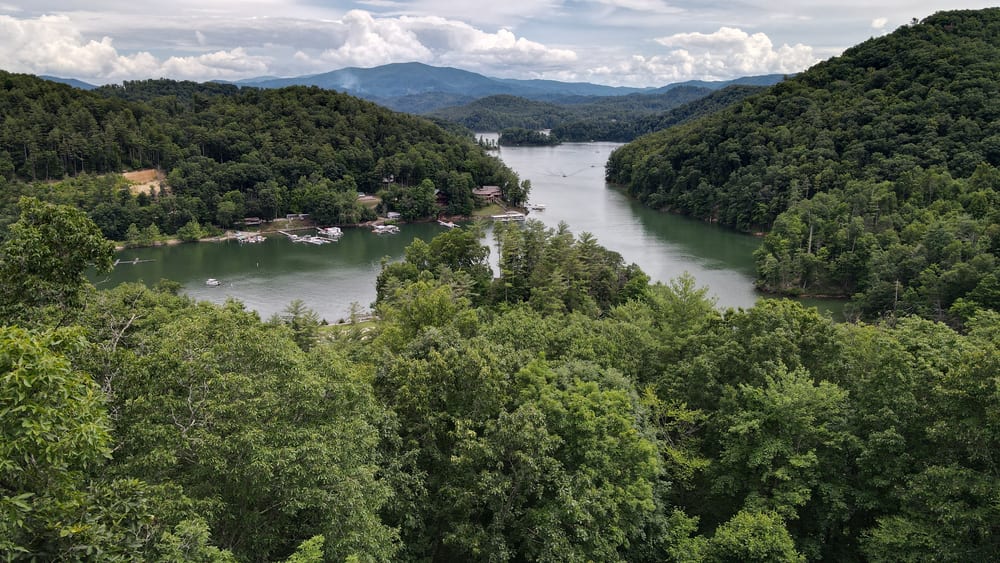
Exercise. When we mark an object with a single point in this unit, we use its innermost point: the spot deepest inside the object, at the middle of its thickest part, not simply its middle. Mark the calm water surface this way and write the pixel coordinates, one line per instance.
(568, 179)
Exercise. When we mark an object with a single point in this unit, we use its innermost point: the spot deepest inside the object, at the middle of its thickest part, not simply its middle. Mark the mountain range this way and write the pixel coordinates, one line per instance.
(419, 88)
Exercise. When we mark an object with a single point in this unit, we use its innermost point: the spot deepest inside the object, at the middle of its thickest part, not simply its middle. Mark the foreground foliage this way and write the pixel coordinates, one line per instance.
(484, 420)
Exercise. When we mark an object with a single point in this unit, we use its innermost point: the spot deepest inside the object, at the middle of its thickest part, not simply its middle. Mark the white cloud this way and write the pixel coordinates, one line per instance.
(364, 40)
(645, 6)
(725, 53)
(879, 23)
(53, 45)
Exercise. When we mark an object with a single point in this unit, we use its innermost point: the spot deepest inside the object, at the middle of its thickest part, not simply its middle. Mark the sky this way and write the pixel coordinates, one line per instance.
(639, 43)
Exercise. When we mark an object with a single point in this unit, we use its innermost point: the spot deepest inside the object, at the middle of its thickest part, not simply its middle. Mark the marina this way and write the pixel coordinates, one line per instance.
(249, 238)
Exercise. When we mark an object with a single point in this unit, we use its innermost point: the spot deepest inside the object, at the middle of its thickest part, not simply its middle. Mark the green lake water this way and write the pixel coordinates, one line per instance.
(568, 179)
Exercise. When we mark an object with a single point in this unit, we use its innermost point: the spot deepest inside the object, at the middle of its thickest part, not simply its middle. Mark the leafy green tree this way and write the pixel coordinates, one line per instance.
(752, 536)
(44, 260)
(212, 388)
(55, 429)
(191, 231)
(304, 323)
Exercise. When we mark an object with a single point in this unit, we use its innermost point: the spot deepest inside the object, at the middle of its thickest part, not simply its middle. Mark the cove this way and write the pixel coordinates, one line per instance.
(567, 178)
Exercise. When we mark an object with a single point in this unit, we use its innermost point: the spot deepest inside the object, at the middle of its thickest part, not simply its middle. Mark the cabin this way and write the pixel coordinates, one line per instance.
(252, 221)
(489, 194)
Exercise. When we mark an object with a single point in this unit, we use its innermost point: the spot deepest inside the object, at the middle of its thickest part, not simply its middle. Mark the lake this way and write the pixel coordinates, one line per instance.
(568, 179)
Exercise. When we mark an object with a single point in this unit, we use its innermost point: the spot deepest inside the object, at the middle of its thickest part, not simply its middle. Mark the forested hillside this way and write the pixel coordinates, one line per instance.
(607, 118)
(875, 172)
(226, 152)
(566, 410)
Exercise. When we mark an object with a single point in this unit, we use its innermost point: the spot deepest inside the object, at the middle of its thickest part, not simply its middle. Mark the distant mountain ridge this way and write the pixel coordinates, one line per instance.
(69, 81)
(419, 88)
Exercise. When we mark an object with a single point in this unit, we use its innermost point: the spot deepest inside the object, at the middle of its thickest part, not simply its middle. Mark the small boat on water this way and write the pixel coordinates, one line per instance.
(385, 229)
(212, 282)
(448, 224)
(536, 206)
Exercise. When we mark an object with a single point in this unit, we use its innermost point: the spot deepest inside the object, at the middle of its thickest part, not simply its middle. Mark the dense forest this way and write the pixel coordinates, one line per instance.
(228, 153)
(517, 137)
(558, 408)
(566, 410)
(874, 173)
(606, 118)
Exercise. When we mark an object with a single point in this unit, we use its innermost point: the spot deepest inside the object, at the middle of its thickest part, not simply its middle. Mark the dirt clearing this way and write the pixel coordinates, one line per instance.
(144, 181)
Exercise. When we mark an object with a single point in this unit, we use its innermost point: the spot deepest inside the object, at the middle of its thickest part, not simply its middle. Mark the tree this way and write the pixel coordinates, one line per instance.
(43, 263)
(752, 537)
(304, 323)
(55, 429)
(191, 231)
(282, 446)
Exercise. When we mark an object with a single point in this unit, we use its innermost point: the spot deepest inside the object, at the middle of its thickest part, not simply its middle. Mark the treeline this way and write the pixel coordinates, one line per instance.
(227, 152)
(566, 410)
(609, 118)
(515, 137)
(628, 127)
(899, 134)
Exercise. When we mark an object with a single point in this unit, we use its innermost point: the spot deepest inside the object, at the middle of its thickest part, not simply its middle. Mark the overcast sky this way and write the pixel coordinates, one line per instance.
(614, 42)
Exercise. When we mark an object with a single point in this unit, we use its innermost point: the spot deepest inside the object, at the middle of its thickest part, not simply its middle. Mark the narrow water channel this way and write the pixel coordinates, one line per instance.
(568, 179)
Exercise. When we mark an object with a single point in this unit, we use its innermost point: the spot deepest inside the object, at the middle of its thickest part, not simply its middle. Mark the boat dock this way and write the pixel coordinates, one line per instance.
(132, 261)
(508, 217)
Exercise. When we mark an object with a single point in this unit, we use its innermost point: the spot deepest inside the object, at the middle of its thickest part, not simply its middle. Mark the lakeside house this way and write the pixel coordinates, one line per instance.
(489, 194)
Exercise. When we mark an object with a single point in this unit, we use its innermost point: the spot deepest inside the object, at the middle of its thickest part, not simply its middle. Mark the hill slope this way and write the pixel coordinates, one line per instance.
(229, 152)
(897, 126)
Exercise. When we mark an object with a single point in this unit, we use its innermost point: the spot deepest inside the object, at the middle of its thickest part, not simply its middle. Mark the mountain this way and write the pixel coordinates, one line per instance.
(877, 172)
(421, 89)
(231, 152)
(605, 118)
(70, 81)
(763, 80)
(673, 107)
(407, 79)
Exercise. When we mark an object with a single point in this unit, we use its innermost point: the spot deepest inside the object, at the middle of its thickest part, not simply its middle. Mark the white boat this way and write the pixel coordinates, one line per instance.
(536, 206)
(385, 229)
(448, 224)
(316, 240)
(332, 233)
(248, 238)
(509, 216)
(212, 282)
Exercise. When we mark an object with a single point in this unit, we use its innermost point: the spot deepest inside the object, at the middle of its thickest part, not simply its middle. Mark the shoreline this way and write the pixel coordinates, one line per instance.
(306, 224)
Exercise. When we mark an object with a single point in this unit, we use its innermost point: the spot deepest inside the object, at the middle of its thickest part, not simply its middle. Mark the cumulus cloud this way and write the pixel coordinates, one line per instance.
(879, 23)
(53, 45)
(723, 54)
(63, 46)
(369, 41)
